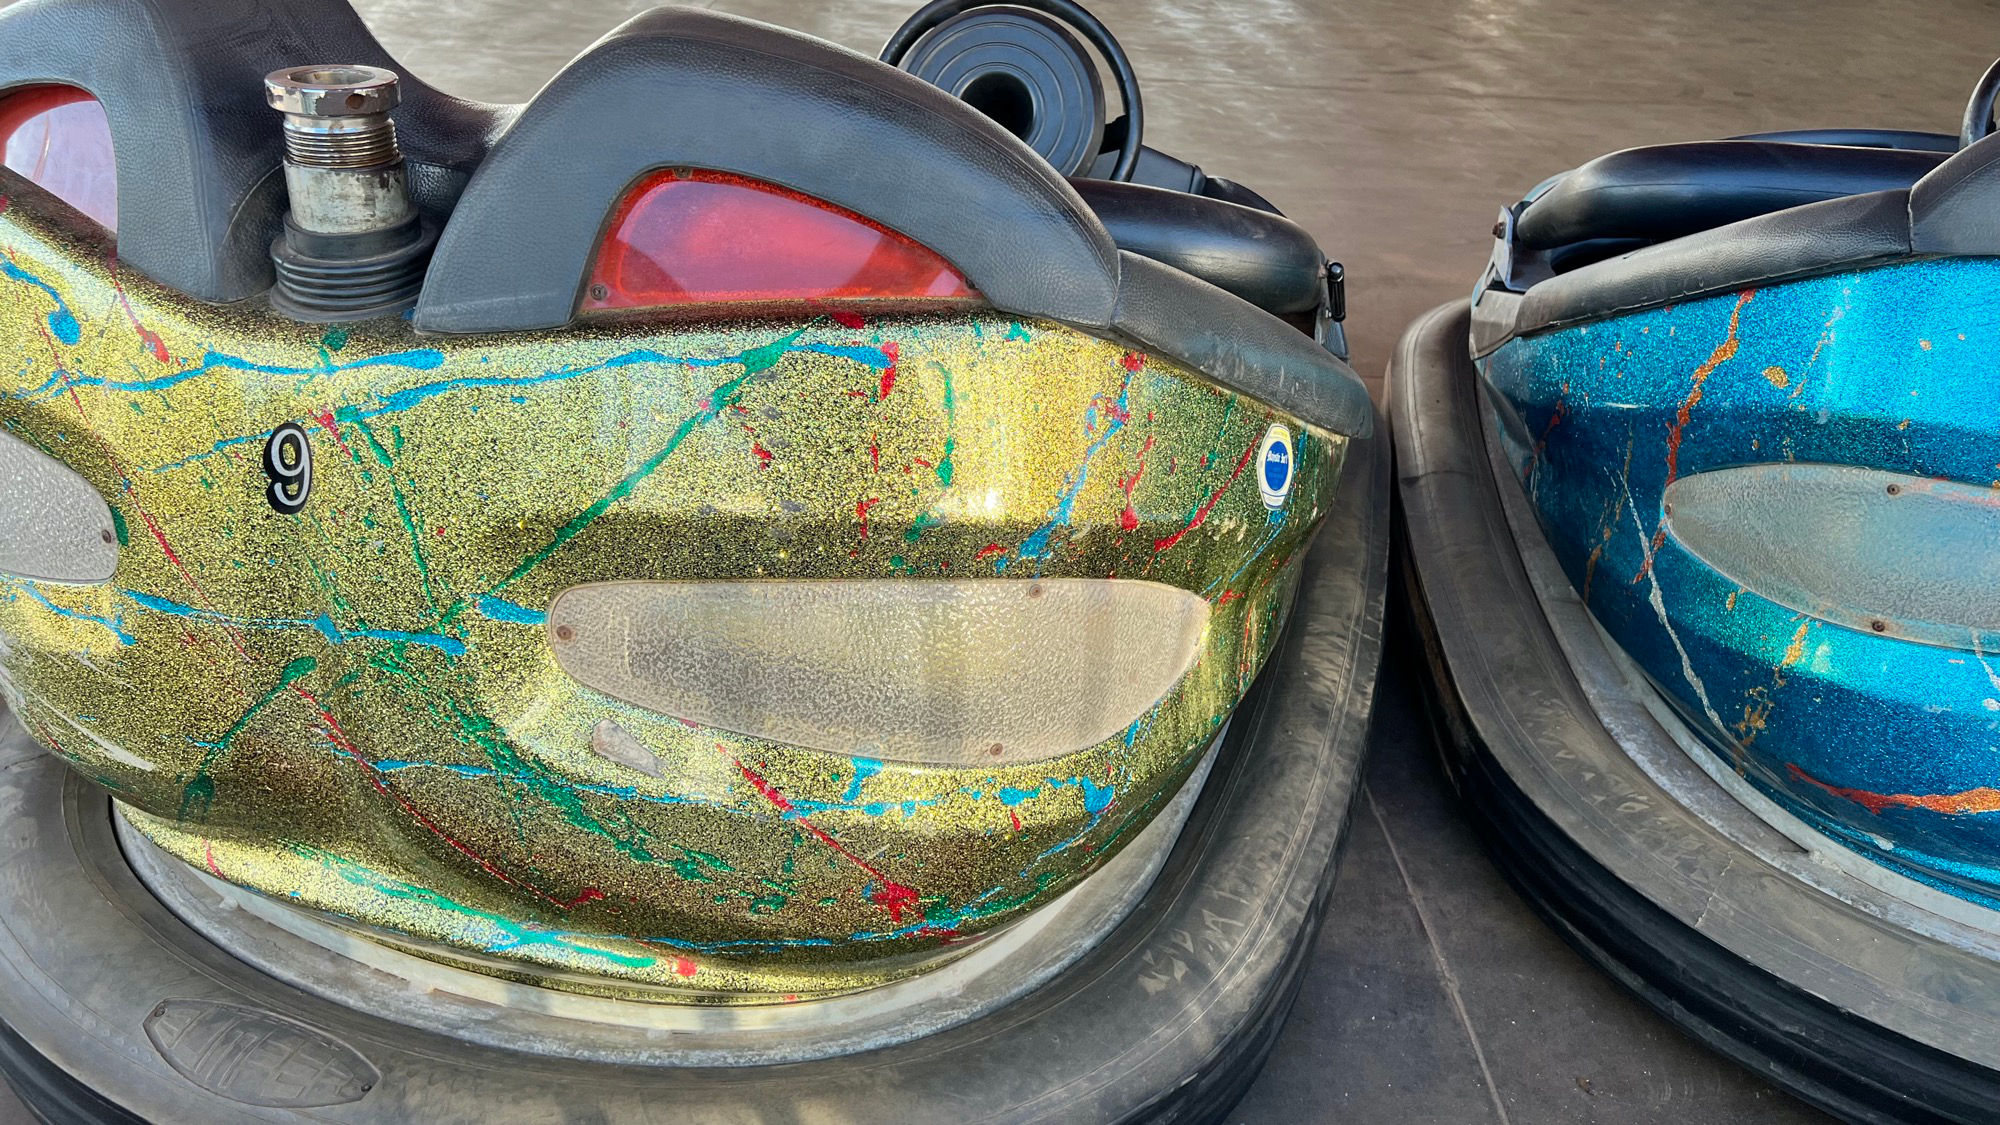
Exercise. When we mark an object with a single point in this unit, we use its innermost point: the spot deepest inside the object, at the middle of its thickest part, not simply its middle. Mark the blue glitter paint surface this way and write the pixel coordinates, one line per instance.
(1889, 746)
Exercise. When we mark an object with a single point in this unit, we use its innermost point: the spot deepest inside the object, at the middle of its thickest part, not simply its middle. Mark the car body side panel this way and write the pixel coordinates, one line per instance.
(1886, 741)
(356, 707)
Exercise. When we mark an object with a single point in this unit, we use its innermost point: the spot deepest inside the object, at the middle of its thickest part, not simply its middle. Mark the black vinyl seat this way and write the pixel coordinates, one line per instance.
(1646, 195)
(1802, 227)
(1258, 255)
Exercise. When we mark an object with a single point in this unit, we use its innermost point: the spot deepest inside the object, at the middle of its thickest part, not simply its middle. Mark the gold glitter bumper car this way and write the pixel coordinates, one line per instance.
(762, 581)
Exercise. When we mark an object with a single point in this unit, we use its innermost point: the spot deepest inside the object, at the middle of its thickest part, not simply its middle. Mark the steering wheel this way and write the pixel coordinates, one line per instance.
(1979, 111)
(938, 11)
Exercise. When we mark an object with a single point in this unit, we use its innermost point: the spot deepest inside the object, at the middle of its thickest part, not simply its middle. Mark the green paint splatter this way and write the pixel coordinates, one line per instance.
(944, 466)
(513, 934)
(335, 338)
(201, 788)
(118, 525)
(921, 524)
(351, 416)
(754, 362)
(1016, 332)
(416, 546)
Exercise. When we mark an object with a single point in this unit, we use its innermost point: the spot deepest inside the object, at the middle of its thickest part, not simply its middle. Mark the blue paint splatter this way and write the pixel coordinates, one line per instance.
(115, 623)
(500, 609)
(323, 624)
(864, 768)
(418, 359)
(409, 397)
(1036, 545)
(61, 323)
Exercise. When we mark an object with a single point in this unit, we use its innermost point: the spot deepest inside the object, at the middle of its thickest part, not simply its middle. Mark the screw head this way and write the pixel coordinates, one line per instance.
(334, 90)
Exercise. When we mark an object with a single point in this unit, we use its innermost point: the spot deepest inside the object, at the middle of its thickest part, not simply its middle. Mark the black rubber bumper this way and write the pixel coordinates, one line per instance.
(1865, 1018)
(1167, 1019)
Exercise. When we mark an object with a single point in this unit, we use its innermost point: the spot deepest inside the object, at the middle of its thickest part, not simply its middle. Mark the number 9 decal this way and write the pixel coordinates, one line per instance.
(288, 462)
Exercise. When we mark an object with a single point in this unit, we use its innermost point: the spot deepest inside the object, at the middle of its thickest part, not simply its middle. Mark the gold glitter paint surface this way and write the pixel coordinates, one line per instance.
(356, 709)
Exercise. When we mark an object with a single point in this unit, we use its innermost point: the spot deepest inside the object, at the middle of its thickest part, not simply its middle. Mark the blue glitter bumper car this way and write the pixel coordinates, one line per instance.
(1702, 524)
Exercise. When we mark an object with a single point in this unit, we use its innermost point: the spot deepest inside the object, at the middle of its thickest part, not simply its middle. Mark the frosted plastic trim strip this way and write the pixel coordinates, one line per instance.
(54, 526)
(1885, 553)
(948, 673)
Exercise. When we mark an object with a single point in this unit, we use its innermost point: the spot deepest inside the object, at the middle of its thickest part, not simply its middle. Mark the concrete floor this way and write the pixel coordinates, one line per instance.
(1393, 130)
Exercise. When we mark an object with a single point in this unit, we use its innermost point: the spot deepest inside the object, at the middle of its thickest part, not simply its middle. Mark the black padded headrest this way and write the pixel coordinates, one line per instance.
(1665, 191)
(684, 87)
(198, 152)
(1264, 258)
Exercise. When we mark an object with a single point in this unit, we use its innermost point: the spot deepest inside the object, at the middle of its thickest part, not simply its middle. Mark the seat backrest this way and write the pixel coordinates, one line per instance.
(1262, 257)
(1666, 191)
(198, 152)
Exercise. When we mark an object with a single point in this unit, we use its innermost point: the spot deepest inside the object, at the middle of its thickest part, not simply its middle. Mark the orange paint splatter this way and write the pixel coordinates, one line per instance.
(1983, 799)
(1723, 353)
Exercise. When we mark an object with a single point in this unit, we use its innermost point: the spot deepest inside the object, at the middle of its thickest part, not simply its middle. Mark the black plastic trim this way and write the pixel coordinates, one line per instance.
(1239, 346)
(684, 87)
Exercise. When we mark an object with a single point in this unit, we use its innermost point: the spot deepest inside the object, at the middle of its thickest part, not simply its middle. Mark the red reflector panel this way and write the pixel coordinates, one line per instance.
(58, 137)
(700, 238)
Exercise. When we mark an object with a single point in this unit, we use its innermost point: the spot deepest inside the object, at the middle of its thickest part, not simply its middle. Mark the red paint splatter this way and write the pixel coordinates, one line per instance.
(334, 734)
(890, 895)
(1983, 799)
(589, 894)
(325, 419)
(683, 967)
(1016, 818)
(1129, 518)
(847, 319)
(874, 453)
(1228, 596)
(1134, 361)
(988, 552)
(147, 336)
(890, 352)
(1201, 513)
(861, 509)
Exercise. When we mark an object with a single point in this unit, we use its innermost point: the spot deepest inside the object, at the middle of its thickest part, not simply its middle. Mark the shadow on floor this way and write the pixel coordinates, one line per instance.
(1436, 995)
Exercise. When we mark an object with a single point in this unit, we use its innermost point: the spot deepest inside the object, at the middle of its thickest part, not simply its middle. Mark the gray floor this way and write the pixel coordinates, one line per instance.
(1436, 995)
(1393, 130)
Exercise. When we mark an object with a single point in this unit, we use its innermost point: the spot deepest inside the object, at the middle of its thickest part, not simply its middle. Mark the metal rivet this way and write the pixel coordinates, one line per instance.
(1879, 626)
(996, 749)
(565, 633)
(1895, 490)
(598, 292)
(1035, 590)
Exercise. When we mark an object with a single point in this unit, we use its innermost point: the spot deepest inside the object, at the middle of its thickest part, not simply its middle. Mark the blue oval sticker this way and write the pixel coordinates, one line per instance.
(1274, 466)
